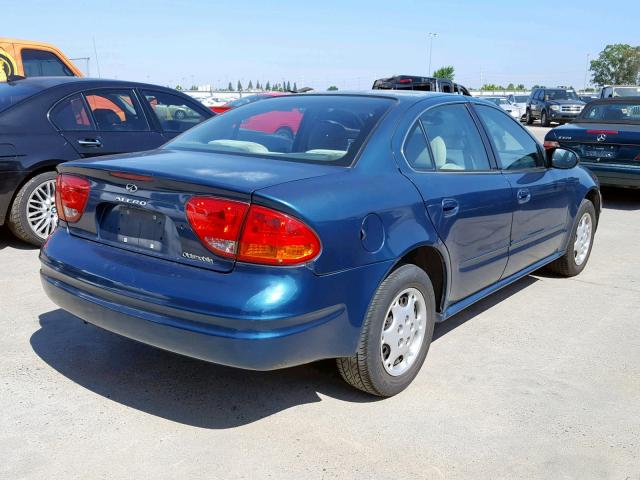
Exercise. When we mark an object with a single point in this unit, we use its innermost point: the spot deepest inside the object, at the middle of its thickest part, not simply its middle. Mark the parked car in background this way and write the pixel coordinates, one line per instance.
(612, 91)
(422, 84)
(507, 106)
(25, 58)
(560, 105)
(245, 100)
(520, 101)
(383, 215)
(606, 136)
(586, 98)
(48, 120)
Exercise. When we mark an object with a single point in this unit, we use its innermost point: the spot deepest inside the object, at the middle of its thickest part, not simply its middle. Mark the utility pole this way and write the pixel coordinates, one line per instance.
(432, 35)
(586, 72)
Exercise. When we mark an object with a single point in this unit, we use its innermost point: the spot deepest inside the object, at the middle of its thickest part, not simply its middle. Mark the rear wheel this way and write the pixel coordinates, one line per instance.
(578, 249)
(529, 118)
(544, 119)
(396, 334)
(33, 214)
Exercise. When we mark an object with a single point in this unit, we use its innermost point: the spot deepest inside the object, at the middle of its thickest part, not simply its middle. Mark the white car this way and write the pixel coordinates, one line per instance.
(512, 109)
(519, 100)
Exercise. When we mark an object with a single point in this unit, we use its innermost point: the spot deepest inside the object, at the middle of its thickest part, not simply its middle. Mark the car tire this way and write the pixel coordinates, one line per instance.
(529, 118)
(285, 132)
(580, 243)
(378, 368)
(33, 217)
(179, 115)
(544, 119)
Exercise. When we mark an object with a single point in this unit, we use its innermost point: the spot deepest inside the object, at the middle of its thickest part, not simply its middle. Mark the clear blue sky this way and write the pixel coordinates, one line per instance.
(346, 43)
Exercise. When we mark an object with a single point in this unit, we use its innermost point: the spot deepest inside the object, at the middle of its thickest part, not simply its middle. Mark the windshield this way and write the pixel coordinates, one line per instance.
(612, 112)
(14, 92)
(626, 92)
(561, 95)
(521, 98)
(498, 101)
(328, 129)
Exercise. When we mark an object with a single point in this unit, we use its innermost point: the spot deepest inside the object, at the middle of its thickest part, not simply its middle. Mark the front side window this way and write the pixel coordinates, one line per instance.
(40, 63)
(173, 112)
(454, 139)
(514, 147)
(116, 111)
(329, 129)
(71, 115)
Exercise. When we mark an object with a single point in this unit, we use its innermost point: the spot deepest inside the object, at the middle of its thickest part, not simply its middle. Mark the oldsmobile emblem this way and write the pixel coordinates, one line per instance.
(131, 187)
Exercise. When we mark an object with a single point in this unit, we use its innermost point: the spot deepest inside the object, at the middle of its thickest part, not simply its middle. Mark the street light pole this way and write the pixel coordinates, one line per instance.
(586, 72)
(432, 35)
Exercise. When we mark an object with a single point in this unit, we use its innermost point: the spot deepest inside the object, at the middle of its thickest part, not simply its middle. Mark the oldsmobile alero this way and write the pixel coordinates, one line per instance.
(385, 213)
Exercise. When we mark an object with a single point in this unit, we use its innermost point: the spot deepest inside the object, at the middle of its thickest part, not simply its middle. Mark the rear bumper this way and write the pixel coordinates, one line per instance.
(615, 175)
(254, 318)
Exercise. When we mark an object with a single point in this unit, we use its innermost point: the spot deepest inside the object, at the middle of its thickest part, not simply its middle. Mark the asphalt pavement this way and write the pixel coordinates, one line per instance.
(540, 380)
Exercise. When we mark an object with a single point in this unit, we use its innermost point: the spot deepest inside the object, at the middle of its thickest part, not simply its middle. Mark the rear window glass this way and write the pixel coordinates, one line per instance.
(612, 112)
(12, 93)
(328, 129)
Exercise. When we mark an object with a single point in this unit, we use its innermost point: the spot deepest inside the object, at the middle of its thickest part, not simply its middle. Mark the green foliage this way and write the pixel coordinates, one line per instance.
(288, 88)
(239, 86)
(193, 87)
(447, 72)
(268, 87)
(250, 86)
(230, 87)
(511, 86)
(179, 88)
(491, 87)
(332, 88)
(617, 64)
(520, 87)
(295, 87)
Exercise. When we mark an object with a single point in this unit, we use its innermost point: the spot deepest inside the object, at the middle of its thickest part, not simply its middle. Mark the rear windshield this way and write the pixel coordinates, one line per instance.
(626, 92)
(14, 92)
(612, 112)
(327, 129)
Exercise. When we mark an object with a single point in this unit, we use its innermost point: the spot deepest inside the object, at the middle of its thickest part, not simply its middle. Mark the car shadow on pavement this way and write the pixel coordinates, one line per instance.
(621, 198)
(8, 240)
(190, 391)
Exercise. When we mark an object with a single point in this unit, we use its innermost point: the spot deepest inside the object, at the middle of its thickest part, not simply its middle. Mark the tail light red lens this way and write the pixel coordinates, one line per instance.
(275, 238)
(217, 223)
(251, 234)
(72, 194)
(549, 145)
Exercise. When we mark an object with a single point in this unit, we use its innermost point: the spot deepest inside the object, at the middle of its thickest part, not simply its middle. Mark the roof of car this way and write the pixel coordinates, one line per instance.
(49, 82)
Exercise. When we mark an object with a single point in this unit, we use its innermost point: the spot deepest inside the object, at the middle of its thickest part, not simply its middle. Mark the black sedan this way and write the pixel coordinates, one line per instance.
(46, 121)
(606, 136)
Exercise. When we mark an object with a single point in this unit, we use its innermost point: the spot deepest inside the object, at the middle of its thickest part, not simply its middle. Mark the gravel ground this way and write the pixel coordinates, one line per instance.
(541, 380)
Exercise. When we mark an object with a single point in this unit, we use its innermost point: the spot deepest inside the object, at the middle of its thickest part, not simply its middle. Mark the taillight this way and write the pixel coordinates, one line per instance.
(217, 223)
(275, 238)
(72, 194)
(549, 145)
(251, 233)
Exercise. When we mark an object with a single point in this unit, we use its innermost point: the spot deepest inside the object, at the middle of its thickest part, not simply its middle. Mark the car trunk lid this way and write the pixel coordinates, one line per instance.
(603, 142)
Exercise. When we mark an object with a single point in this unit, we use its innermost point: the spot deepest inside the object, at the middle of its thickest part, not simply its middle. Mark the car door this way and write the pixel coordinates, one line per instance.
(118, 125)
(535, 104)
(468, 201)
(173, 114)
(541, 199)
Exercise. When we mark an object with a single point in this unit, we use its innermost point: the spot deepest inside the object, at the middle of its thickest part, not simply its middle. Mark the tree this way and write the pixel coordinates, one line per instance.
(447, 72)
(239, 86)
(230, 87)
(332, 88)
(511, 86)
(520, 87)
(179, 87)
(268, 86)
(288, 86)
(193, 87)
(258, 87)
(250, 86)
(617, 64)
(295, 87)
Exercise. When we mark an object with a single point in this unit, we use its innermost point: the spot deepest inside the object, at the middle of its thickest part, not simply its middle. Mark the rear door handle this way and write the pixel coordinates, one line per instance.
(450, 207)
(524, 195)
(90, 142)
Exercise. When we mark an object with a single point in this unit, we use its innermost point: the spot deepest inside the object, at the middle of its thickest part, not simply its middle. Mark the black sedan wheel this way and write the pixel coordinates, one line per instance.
(33, 215)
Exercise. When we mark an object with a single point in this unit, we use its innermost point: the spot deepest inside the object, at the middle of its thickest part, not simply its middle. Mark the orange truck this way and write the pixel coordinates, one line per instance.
(25, 58)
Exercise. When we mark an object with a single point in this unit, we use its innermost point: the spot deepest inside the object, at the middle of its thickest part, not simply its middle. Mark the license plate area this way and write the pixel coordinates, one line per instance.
(134, 227)
(604, 151)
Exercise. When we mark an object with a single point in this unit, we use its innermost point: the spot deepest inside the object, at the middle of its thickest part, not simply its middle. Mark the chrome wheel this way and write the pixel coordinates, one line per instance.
(41, 209)
(403, 331)
(583, 239)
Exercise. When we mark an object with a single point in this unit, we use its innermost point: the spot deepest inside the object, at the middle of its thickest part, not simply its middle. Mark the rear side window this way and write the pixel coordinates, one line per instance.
(174, 113)
(454, 139)
(116, 111)
(515, 149)
(71, 115)
(40, 63)
(416, 149)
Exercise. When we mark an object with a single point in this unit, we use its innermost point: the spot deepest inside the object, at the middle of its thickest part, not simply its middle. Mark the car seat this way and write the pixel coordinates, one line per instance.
(106, 119)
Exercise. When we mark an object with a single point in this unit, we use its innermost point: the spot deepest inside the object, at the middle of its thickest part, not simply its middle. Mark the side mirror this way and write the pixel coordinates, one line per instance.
(564, 159)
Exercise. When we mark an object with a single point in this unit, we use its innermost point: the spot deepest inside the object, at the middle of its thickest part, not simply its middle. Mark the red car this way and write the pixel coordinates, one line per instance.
(284, 123)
